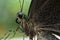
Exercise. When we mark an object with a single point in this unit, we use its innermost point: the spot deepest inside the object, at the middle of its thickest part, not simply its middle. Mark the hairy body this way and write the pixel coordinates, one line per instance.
(44, 19)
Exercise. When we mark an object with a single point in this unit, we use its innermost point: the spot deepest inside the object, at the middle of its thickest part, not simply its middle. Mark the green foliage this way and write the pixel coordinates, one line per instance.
(8, 12)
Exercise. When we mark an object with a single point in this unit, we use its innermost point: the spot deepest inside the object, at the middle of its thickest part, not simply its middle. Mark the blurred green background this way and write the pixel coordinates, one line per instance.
(8, 13)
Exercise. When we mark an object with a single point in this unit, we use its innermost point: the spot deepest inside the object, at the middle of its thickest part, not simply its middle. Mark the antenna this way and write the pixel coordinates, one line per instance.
(21, 6)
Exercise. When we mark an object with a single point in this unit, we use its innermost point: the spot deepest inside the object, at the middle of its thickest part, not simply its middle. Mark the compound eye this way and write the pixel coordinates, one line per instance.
(20, 15)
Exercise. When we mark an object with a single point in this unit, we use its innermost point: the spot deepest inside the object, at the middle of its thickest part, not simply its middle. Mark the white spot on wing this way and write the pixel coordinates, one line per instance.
(56, 36)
